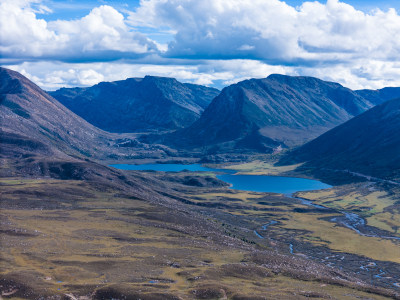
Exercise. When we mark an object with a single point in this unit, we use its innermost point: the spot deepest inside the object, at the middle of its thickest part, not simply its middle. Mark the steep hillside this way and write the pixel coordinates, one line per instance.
(262, 114)
(29, 112)
(368, 144)
(138, 104)
(37, 129)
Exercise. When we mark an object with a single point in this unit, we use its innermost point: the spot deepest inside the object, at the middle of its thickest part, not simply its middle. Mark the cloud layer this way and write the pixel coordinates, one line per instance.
(101, 35)
(272, 31)
(210, 40)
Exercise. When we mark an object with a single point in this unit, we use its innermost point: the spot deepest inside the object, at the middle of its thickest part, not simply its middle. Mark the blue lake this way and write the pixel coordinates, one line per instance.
(272, 184)
(253, 183)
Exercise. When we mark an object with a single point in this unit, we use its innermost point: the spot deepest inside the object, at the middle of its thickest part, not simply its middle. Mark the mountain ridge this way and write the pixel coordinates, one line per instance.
(380, 95)
(138, 104)
(280, 110)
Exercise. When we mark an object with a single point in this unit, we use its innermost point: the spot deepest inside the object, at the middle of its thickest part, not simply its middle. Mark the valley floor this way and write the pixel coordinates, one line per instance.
(78, 240)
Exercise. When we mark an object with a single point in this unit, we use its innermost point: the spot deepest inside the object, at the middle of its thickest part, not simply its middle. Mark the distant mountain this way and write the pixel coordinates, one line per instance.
(379, 96)
(138, 104)
(35, 129)
(262, 114)
(368, 144)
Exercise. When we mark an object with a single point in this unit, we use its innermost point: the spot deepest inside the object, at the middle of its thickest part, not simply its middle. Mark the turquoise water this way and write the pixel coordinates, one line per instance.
(253, 183)
(272, 184)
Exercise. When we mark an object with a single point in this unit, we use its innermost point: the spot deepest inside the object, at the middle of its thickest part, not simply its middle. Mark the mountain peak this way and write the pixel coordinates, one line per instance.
(12, 82)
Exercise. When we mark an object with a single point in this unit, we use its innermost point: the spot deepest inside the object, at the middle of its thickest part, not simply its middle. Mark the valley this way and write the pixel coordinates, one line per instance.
(75, 226)
(189, 150)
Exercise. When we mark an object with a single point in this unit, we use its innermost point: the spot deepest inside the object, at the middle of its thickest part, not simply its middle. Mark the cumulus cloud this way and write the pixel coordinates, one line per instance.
(273, 31)
(221, 28)
(218, 73)
(51, 76)
(101, 35)
(212, 42)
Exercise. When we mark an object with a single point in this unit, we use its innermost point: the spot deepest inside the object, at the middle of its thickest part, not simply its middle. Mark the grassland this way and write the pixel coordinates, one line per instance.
(309, 225)
(380, 205)
(261, 168)
(78, 241)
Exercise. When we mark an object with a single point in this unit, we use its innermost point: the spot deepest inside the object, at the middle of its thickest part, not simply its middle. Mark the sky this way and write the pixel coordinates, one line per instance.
(210, 42)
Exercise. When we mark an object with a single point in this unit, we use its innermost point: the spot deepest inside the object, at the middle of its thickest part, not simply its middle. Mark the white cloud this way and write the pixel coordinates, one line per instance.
(219, 73)
(212, 42)
(273, 31)
(51, 76)
(101, 35)
(90, 77)
(103, 29)
(21, 32)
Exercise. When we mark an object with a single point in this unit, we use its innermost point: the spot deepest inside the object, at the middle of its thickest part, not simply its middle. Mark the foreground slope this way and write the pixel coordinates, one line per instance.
(29, 113)
(368, 144)
(138, 104)
(281, 110)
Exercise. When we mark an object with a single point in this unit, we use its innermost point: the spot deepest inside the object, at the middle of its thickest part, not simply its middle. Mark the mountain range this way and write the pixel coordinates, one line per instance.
(138, 104)
(56, 183)
(263, 114)
(258, 114)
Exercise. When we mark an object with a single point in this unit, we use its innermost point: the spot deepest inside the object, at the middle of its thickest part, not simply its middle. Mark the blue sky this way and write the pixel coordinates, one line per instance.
(365, 5)
(72, 9)
(212, 42)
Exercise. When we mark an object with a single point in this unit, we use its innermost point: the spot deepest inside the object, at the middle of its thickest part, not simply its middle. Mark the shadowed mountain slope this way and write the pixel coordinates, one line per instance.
(368, 144)
(262, 114)
(39, 135)
(138, 104)
(27, 112)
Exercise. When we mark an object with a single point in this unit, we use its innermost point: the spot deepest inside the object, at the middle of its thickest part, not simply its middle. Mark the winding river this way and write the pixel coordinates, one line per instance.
(271, 184)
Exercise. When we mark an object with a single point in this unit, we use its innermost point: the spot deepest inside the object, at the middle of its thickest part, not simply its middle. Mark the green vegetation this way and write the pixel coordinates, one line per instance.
(380, 207)
(261, 168)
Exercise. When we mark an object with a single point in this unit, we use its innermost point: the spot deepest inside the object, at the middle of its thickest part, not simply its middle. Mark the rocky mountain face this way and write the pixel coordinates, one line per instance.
(263, 114)
(138, 104)
(368, 144)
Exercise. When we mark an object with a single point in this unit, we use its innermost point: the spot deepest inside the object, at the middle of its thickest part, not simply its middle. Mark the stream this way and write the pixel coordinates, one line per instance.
(288, 186)
(349, 220)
